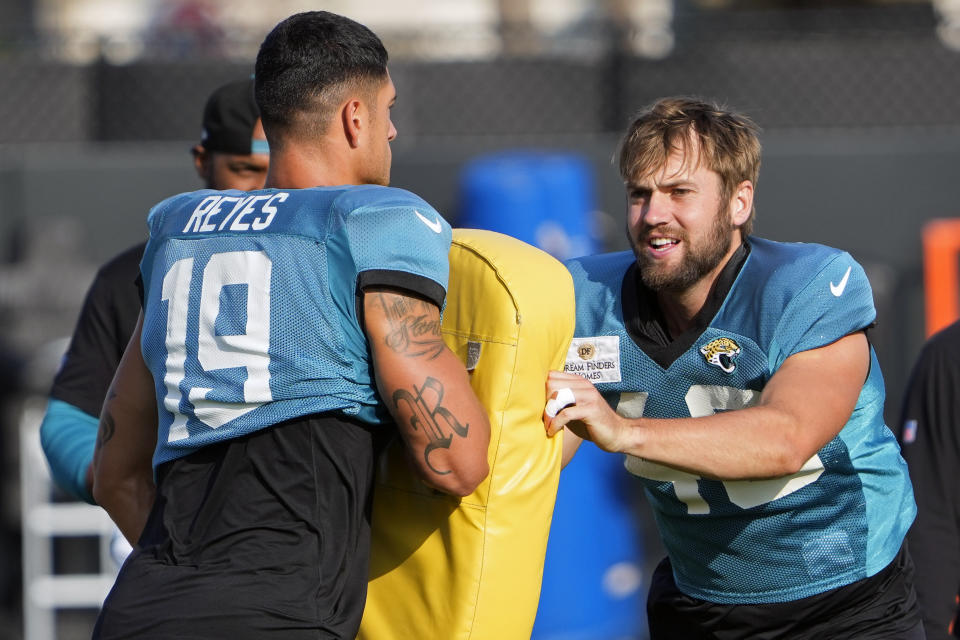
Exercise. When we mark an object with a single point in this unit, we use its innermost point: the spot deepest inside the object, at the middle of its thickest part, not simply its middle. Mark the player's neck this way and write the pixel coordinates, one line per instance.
(304, 167)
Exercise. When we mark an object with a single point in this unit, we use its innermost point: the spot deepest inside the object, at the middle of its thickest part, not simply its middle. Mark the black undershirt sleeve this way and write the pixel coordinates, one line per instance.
(402, 281)
(417, 285)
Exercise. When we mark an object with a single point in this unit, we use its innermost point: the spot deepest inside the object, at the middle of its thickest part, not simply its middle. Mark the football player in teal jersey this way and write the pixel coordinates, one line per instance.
(232, 154)
(286, 334)
(736, 375)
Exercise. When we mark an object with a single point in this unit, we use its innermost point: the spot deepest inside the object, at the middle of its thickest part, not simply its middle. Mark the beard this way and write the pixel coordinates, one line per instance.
(698, 261)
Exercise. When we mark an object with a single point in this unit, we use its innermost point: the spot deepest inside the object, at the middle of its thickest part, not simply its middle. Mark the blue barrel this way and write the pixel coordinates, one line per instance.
(593, 582)
(543, 198)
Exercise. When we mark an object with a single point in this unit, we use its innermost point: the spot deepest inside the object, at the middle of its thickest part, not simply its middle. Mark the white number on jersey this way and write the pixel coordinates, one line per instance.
(249, 350)
(705, 400)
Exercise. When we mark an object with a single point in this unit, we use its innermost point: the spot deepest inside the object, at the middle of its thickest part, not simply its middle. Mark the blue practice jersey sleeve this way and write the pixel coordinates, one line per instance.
(837, 301)
(68, 436)
(399, 240)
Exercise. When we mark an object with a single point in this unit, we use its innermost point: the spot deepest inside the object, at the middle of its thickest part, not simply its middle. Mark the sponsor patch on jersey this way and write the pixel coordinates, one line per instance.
(597, 358)
(721, 352)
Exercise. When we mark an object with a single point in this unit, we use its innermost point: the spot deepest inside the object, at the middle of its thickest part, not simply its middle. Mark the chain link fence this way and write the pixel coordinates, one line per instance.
(877, 67)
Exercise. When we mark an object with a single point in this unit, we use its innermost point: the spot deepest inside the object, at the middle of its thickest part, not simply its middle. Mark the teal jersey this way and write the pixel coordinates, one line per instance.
(251, 301)
(843, 516)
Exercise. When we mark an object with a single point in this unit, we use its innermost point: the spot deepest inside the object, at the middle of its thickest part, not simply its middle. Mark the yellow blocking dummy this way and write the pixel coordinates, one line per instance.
(471, 568)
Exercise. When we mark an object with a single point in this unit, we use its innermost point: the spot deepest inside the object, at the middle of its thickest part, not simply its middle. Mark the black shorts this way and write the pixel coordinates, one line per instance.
(265, 535)
(881, 607)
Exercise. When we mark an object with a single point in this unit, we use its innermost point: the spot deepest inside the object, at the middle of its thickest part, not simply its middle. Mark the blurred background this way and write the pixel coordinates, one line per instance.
(508, 114)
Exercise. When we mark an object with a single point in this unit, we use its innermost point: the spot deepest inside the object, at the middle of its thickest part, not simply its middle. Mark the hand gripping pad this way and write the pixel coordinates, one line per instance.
(471, 569)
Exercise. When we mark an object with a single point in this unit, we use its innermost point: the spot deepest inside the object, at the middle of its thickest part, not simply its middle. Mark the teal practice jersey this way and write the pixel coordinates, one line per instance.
(251, 301)
(843, 516)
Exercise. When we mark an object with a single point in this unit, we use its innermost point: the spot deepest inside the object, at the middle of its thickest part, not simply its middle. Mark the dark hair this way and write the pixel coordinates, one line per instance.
(728, 143)
(304, 65)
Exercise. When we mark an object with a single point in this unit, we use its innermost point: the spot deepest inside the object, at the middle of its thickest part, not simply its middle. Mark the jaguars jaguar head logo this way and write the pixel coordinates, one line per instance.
(722, 353)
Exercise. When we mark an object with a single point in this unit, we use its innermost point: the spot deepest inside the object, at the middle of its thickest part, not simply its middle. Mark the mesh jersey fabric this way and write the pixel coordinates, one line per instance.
(844, 515)
(250, 307)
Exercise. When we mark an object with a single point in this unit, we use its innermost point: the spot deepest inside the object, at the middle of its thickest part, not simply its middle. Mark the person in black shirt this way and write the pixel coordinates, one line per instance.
(930, 442)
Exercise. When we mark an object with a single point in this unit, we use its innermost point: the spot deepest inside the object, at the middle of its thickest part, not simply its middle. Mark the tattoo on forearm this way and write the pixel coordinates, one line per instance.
(413, 332)
(428, 415)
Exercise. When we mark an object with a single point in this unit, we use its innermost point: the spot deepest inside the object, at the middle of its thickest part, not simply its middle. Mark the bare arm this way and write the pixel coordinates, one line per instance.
(426, 389)
(571, 442)
(804, 405)
(123, 472)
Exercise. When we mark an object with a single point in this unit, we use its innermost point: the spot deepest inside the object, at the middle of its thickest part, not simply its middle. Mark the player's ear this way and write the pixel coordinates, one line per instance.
(353, 117)
(201, 161)
(742, 203)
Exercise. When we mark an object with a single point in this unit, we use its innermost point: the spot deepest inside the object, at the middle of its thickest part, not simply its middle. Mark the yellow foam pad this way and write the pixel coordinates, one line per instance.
(471, 568)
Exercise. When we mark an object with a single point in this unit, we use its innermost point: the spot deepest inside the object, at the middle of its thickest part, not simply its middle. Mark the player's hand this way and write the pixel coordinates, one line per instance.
(588, 415)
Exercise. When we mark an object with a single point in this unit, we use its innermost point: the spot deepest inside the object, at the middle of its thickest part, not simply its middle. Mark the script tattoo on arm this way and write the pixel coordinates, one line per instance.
(428, 415)
(414, 332)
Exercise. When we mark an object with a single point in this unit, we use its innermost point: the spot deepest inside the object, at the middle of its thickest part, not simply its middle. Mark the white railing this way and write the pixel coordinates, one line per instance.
(44, 591)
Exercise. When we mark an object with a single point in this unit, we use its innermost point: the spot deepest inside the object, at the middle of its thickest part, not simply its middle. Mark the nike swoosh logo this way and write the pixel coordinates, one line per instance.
(433, 225)
(837, 289)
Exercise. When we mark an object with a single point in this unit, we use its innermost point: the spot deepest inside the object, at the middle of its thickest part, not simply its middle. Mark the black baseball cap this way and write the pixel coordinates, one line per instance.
(228, 120)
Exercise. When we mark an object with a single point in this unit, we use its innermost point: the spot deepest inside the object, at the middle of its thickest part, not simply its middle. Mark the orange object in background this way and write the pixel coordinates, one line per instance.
(941, 273)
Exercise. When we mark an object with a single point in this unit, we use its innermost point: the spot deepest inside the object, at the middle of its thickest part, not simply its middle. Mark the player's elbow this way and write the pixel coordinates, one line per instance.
(104, 492)
(108, 490)
(462, 481)
(470, 479)
(468, 462)
(117, 493)
(785, 464)
(789, 460)
(465, 467)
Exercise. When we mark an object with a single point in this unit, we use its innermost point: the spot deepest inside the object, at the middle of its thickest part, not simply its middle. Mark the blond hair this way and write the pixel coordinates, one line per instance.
(728, 143)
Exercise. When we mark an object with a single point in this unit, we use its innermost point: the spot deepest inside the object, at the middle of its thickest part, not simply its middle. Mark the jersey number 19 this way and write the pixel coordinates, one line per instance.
(248, 350)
